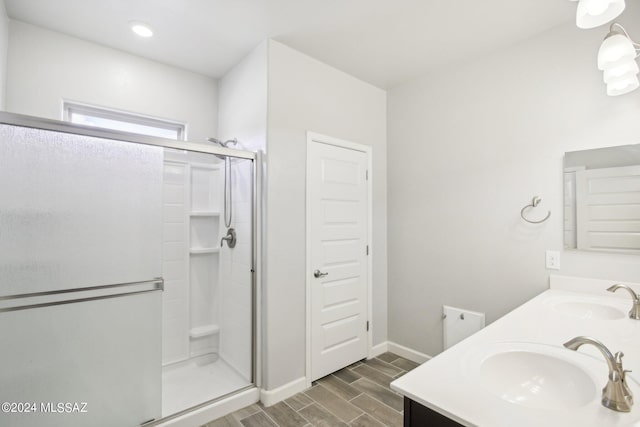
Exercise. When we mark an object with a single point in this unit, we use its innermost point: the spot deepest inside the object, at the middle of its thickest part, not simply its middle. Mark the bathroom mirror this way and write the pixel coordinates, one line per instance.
(602, 199)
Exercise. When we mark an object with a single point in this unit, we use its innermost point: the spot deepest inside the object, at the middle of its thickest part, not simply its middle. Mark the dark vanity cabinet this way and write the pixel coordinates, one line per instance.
(417, 415)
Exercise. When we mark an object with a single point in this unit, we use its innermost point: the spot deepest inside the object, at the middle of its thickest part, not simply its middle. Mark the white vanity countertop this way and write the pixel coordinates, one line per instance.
(452, 383)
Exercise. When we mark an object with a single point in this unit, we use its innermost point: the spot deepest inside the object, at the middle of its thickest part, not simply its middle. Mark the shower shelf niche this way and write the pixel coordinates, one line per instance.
(204, 214)
(204, 248)
(204, 232)
(204, 251)
(204, 331)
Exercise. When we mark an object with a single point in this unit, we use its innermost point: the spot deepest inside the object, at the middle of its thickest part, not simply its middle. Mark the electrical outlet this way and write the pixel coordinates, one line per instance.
(553, 260)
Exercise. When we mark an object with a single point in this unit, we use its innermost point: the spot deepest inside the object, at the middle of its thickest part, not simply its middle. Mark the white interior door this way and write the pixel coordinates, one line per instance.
(338, 283)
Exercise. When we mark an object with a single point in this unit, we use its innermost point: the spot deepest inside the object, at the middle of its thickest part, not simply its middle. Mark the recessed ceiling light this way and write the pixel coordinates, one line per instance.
(141, 29)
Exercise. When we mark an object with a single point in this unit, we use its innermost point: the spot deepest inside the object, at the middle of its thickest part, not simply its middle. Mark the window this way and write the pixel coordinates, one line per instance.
(118, 120)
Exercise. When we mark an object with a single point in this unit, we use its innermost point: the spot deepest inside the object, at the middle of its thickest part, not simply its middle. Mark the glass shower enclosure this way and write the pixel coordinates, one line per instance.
(120, 304)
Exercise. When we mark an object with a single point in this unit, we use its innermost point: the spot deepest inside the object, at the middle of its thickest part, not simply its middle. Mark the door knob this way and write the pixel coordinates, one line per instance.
(317, 274)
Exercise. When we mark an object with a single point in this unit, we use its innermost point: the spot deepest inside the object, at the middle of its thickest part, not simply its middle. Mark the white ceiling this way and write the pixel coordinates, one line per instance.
(383, 42)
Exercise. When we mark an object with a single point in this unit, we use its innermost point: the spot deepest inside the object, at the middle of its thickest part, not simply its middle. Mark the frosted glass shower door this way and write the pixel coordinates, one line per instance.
(80, 268)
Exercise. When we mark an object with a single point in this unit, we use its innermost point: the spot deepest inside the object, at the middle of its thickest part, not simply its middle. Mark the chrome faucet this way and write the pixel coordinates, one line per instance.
(230, 238)
(634, 313)
(616, 394)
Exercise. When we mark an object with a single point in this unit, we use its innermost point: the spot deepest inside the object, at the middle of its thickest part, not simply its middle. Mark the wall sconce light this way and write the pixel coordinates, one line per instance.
(593, 13)
(617, 58)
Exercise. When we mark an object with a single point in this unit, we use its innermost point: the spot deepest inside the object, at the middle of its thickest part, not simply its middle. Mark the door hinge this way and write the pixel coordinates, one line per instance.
(367, 326)
(366, 174)
(367, 249)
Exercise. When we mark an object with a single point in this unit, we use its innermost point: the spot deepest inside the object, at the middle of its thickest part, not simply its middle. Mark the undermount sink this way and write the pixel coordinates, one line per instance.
(537, 376)
(537, 380)
(587, 308)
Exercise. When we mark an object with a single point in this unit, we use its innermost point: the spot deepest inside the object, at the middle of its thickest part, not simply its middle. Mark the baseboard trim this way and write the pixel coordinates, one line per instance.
(271, 397)
(378, 349)
(407, 352)
(278, 394)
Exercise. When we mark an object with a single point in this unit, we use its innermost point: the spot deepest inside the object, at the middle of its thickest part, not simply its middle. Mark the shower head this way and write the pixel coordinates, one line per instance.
(224, 144)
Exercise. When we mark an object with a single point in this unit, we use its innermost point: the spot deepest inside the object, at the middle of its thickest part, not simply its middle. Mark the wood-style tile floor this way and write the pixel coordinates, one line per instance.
(357, 396)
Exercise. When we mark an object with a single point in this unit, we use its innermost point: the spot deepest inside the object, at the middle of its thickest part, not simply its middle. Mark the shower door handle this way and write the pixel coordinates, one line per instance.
(317, 274)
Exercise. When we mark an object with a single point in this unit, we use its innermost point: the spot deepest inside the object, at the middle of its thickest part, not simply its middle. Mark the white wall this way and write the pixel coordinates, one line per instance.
(469, 146)
(4, 43)
(45, 67)
(242, 101)
(305, 94)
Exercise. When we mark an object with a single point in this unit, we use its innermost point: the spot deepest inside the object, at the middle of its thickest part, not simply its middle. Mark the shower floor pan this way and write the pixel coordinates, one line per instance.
(190, 383)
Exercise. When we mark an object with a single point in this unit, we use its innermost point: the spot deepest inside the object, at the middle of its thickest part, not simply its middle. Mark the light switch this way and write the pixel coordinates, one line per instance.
(553, 260)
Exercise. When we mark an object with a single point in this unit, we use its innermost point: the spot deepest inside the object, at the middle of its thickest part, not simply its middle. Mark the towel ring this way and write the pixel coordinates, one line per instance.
(534, 202)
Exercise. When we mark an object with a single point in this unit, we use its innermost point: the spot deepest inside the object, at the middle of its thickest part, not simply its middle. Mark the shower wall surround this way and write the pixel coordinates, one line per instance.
(235, 275)
(208, 286)
(175, 262)
(192, 191)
